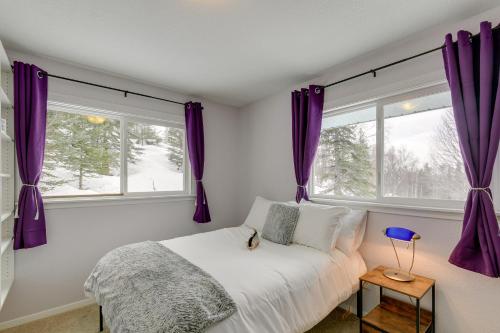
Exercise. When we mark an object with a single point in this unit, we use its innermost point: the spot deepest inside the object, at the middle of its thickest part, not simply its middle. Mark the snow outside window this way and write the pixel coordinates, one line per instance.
(82, 155)
(402, 149)
(155, 158)
(85, 154)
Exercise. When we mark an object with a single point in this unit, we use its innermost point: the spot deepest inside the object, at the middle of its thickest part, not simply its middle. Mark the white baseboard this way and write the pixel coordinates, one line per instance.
(46, 313)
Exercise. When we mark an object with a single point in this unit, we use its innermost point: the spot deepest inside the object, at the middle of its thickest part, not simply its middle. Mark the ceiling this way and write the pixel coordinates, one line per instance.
(230, 51)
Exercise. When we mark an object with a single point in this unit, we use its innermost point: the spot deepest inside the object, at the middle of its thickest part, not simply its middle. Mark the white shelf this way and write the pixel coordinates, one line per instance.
(5, 291)
(5, 216)
(4, 98)
(7, 180)
(5, 136)
(6, 285)
(4, 60)
(4, 246)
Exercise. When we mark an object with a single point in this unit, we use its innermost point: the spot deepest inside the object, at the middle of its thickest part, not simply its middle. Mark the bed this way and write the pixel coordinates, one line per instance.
(291, 289)
(212, 282)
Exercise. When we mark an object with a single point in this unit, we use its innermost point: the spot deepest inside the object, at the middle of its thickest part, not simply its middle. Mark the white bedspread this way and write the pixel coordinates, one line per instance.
(277, 288)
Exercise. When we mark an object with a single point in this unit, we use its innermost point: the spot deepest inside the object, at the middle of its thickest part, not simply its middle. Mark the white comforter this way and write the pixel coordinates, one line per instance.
(276, 288)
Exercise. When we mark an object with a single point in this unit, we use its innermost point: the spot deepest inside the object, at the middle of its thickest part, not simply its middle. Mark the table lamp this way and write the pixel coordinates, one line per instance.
(404, 235)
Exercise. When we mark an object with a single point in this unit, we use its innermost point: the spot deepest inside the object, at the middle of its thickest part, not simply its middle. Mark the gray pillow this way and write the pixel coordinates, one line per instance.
(280, 223)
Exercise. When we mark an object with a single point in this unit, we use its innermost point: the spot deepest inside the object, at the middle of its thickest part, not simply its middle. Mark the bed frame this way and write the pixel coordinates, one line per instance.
(101, 324)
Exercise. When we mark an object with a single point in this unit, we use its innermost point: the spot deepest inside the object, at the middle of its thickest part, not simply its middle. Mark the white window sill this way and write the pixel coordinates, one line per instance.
(398, 209)
(100, 201)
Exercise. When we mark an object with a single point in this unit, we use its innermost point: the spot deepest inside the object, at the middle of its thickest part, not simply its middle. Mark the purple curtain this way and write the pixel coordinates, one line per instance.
(30, 115)
(307, 113)
(472, 70)
(196, 148)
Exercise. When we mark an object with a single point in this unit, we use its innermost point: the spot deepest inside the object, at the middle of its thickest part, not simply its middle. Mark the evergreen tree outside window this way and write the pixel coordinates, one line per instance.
(401, 149)
(83, 154)
(345, 160)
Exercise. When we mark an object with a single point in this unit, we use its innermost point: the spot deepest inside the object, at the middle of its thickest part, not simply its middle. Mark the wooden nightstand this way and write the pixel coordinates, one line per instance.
(394, 316)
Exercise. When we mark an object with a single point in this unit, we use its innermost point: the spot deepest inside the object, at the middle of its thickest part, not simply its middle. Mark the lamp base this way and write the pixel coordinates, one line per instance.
(399, 275)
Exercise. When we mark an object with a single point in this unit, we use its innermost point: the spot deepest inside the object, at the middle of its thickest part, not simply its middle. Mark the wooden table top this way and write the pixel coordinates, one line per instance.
(416, 288)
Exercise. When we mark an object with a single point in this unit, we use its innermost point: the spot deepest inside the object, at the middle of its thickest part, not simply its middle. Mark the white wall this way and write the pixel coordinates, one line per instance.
(52, 275)
(466, 301)
(248, 153)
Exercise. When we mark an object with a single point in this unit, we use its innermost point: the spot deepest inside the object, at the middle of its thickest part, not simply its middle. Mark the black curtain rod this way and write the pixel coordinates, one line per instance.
(375, 70)
(125, 92)
(371, 71)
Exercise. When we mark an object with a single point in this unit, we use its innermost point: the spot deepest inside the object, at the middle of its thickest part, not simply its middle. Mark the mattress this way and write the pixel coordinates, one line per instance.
(277, 288)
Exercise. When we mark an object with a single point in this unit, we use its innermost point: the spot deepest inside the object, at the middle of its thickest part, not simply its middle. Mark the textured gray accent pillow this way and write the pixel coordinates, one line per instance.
(280, 223)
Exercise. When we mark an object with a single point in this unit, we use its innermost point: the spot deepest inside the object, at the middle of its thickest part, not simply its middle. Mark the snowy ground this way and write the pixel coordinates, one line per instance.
(151, 172)
(154, 172)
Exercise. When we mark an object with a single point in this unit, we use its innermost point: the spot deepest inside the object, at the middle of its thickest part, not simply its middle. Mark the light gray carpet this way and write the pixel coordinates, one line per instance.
(86, 320)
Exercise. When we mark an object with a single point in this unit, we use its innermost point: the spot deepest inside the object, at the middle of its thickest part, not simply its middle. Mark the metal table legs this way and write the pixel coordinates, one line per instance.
(101, 324)
(359, 305)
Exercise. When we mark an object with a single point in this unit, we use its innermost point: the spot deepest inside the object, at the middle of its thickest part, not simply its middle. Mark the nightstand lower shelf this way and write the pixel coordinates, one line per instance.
(395, 316)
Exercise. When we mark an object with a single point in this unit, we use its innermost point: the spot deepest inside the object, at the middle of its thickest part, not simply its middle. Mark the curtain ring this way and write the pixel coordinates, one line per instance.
(39, 74)
(317, 90)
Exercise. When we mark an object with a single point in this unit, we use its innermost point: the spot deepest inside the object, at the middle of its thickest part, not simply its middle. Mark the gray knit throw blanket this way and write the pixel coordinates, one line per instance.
(147, 288)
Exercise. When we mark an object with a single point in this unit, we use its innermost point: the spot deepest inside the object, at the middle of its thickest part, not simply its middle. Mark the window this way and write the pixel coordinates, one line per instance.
(82, 155)
(421, 152)
(402, 149)
(91, 152)
(155, 158)
(346, 157)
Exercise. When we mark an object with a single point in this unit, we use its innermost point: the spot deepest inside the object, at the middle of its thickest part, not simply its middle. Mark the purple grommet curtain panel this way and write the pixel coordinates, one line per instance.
(472, 69)
(307, 114)
(196, 148)
(30, 115)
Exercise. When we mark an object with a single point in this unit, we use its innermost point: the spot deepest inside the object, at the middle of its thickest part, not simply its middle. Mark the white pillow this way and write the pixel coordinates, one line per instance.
(258, 213)
(318, 226)
(352, 231)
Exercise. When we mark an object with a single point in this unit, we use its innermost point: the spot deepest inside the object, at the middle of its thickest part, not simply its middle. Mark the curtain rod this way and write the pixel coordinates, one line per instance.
(371, 71)
(125, 92)
(375, 70)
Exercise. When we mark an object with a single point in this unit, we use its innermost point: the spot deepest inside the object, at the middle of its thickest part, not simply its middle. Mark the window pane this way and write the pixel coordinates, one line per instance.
(421, 151)
(155, 158)
(346, 158)
(82, 155)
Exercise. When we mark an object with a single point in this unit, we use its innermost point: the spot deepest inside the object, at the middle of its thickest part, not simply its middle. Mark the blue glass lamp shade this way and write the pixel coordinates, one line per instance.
(401, 234)
(405, 235)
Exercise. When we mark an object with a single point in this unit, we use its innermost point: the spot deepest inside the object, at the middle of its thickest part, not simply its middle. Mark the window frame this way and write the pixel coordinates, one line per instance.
(335, 112)
(380, 199)
(124, 119)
